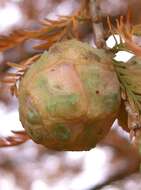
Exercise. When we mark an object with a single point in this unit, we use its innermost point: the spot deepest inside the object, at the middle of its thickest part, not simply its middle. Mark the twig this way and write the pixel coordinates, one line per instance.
(97, 24)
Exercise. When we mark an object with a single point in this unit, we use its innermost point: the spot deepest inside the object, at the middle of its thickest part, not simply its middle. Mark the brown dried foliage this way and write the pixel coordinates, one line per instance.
(16, 139)
(125, 30)
(50, 31)
(11, 79)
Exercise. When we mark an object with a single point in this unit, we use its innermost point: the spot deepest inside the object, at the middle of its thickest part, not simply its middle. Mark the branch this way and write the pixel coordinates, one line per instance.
(97, 24)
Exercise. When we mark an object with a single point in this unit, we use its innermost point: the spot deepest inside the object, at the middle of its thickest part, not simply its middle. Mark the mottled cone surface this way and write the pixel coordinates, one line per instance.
(70, 97)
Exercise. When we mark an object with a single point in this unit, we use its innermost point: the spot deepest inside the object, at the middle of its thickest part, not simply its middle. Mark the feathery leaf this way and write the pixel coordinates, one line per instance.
(129, 75)
(50, 31)
(17, 138)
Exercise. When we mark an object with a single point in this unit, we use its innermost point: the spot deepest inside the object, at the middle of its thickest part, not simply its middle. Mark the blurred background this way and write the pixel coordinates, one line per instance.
(113, 165)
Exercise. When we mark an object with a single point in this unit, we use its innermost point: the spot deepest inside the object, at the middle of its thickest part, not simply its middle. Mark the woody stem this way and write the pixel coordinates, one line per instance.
(98, 29)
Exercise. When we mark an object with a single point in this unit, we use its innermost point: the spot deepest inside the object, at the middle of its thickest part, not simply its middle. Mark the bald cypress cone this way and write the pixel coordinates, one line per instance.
(70, 97)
